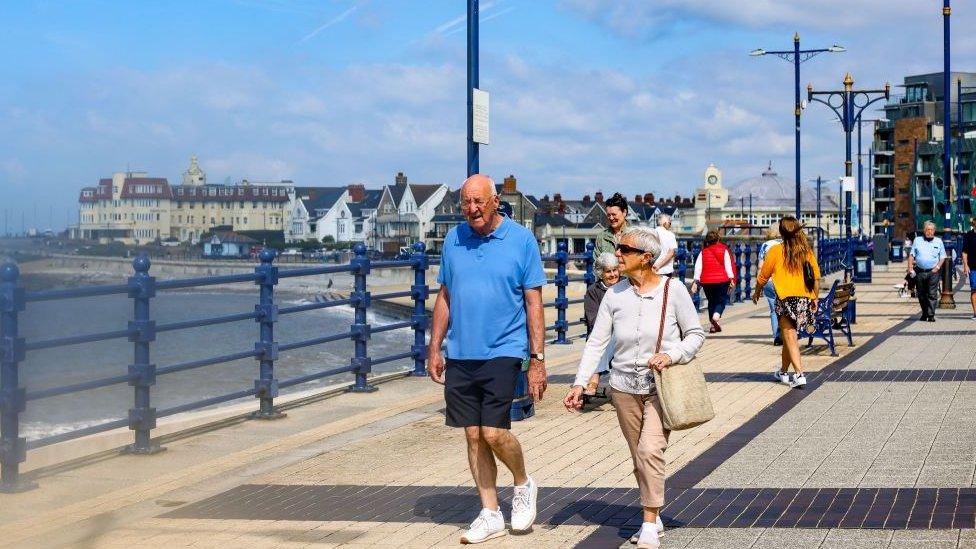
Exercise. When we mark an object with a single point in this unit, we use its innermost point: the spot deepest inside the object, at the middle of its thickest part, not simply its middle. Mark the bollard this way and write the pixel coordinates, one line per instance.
(142, 374)
(266, 386)
(738, 268)
(360, 329)
(13, 448)
(419, 292)
(748, 271)
(562, 280)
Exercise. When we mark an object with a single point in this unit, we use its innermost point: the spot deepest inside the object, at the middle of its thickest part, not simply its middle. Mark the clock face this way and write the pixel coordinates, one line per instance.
(712, 179)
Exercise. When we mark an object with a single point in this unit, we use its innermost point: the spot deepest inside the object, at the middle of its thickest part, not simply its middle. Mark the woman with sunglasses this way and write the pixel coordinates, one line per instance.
(630, 315)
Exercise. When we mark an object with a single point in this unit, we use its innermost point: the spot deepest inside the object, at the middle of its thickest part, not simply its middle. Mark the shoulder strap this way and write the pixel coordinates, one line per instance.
(664, 312)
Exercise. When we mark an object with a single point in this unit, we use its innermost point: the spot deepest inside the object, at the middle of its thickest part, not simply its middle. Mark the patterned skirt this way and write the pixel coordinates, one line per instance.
(799, 309)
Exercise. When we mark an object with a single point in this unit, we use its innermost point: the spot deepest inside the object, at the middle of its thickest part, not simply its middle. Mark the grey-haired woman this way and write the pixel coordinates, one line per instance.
(630, 314)
(605, 267)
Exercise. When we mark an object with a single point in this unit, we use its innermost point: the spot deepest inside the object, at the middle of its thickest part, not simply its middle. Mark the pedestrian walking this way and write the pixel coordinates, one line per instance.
(715, 274)
(491, 281)
(630, 316)
(969, 261)
(606, 241)
(606, 269)
(669, 246)
(769, 291)
(924, 263)
(793, 268)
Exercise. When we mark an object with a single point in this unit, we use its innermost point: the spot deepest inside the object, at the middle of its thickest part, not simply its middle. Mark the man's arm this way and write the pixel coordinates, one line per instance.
(911, 259)
(665, 258)
(438, 329)
(536, 320)
(965, 262)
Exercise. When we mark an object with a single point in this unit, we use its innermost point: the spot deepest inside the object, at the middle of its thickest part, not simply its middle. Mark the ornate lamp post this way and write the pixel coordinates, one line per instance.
(848, 104)
(797, 56)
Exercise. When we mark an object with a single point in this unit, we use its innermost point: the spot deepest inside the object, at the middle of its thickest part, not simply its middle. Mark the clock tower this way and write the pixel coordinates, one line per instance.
(711, 195)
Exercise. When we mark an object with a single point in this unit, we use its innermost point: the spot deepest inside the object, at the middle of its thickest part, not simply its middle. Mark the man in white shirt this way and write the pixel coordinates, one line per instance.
(669, 245)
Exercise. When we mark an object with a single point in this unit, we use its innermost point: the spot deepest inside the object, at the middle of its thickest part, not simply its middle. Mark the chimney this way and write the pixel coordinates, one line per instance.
(357, 193)
(586, 200)
(508, 186)
(638, 199)
(649, 198)
(557, 197)
(562, 207)
(400, 179)
(598, 197)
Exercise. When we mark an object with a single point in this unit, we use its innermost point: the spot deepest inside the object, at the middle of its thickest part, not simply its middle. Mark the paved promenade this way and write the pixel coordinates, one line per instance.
(878, 451)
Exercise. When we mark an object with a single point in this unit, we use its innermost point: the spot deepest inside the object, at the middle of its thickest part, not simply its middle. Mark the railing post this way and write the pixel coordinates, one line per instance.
(679, 257)
(266, 386)
(142, 374)
(588, 277)
(738, 268)
(747, 277)
(13, 447)
(419, 292)
(360, 330)
(562, 280)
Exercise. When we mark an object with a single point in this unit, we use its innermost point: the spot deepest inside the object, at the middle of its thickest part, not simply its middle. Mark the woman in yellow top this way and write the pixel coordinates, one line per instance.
(796, 295)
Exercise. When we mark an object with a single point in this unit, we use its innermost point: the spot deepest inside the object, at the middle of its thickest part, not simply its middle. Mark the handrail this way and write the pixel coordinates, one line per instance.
(142, 330)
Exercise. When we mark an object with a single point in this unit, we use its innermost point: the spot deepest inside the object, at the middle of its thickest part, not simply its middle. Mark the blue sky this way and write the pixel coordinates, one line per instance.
(629, 95)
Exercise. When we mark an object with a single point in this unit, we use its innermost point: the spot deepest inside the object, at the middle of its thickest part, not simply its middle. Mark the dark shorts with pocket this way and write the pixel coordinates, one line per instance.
(480, 392)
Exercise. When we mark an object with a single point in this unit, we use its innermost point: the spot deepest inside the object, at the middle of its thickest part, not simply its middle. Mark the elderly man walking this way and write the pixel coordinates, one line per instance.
(669, 246)
(924, 263)
(491, 281)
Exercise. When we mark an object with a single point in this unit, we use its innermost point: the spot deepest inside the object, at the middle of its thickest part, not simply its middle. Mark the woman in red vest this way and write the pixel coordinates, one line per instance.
(715, 274)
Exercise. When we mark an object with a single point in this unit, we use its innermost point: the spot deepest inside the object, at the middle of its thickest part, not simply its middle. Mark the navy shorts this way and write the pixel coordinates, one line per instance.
(480, 392)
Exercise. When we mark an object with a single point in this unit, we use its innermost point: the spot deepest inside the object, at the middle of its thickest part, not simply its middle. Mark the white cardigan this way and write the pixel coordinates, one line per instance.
(633, 320)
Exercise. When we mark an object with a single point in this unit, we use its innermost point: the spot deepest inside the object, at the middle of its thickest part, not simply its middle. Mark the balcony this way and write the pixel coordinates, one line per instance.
(884, 194)
(884, 170)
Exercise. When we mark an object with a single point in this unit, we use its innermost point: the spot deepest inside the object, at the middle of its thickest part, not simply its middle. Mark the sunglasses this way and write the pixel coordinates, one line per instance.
(625, 249)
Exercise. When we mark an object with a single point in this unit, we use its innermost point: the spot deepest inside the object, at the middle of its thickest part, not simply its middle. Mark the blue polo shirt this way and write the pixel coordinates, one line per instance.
(927, 253)
(485, 277)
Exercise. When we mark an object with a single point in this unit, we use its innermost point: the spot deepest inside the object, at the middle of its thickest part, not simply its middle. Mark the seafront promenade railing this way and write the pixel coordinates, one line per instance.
(834, 255)
(141, 330)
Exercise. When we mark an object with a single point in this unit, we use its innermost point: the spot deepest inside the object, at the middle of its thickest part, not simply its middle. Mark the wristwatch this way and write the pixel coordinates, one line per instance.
(538, 356)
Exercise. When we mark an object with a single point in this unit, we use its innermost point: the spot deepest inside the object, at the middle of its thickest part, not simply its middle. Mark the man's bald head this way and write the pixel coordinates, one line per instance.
(479, 203)
(480, 184)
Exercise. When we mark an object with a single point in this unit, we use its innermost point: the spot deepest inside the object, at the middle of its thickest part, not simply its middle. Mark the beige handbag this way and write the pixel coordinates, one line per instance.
(681, 388)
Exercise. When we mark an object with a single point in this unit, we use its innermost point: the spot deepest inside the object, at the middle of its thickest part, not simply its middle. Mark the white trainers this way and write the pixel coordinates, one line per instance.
(782, 377)
(649, 538)
(489, 525)
(524, 506)
(658, 524)
(799, 381)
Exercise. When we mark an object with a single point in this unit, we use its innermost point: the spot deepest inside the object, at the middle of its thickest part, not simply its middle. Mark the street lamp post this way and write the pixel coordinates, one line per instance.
(797, 56)
(848, 104)
(473, 12)
(947, 300)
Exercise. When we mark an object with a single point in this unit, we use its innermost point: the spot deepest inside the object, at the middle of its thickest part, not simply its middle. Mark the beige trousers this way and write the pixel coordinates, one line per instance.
(640, 422)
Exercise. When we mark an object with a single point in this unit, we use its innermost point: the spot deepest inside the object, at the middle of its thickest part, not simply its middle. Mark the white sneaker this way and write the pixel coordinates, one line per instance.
(524, 506)
(489, 525)
(782, 377)
(798, 381)
(649, 537)
(658, 524)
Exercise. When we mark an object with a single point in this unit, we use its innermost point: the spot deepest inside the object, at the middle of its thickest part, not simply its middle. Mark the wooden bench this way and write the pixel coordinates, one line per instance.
(833, 313)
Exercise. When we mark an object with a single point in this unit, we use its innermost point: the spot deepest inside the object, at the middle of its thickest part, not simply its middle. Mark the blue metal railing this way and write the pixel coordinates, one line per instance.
(833, 255)
(142, 330)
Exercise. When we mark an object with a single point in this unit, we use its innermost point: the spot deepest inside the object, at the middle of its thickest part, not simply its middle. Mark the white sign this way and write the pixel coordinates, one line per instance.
(848, 184)
(479, 116)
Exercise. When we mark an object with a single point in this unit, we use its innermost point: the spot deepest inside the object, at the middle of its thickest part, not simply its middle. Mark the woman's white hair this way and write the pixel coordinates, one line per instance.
(646, 239)
(604, 261)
